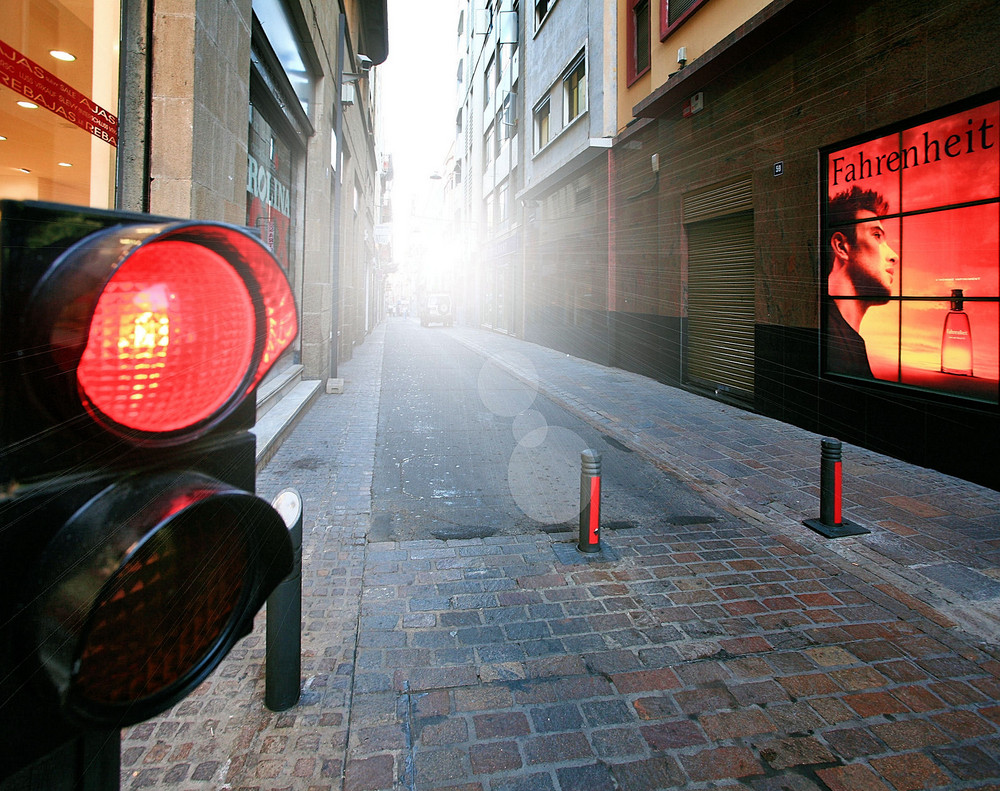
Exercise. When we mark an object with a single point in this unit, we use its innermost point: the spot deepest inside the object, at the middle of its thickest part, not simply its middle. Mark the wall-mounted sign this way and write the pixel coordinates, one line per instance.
(693, 105)
(911, 240)
(36, 84)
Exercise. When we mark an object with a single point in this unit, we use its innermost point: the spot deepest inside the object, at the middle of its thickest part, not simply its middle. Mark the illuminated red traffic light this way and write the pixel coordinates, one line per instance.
(166, 328)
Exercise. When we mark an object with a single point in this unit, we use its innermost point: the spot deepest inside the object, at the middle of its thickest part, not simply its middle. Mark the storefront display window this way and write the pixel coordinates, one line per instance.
(58, 100)
(911, 240)
(269, 189)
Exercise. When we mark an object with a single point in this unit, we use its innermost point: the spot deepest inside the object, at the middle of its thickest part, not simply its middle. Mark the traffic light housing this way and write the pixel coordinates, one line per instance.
(133, 552)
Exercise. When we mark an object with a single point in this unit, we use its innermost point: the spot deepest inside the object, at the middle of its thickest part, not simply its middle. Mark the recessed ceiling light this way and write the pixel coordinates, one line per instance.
(28, 105)
(59, 54)
(65, 164)
(2, 138)
(23, 170)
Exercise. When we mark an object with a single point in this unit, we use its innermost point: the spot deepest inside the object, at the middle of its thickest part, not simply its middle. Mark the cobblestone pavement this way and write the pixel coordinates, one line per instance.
(736, 650)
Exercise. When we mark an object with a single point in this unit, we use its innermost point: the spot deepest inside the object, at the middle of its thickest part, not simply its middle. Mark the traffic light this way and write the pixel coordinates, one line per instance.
(133, 552)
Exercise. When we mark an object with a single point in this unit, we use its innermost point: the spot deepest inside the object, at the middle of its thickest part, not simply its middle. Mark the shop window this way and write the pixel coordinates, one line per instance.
(59, 101)
(270, 188)
(575, 89)
(911, 267)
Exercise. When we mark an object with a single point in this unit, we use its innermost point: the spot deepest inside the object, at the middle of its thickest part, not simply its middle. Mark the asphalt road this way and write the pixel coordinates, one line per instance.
(464, 450)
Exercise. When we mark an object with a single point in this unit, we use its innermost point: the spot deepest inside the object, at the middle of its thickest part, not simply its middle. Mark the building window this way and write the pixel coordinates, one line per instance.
(488, 147)
(542, 8)
(280, 32)
(542, 129)
(489, 80)
(638, 40)
(502, 203)
(575, 89)
(508, 113)
(673, 12)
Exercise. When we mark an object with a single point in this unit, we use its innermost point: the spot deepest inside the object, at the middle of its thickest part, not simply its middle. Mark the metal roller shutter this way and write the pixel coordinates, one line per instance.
(721, 303)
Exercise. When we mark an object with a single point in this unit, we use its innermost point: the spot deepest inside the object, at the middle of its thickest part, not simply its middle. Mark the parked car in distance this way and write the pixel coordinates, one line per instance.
(436, 309)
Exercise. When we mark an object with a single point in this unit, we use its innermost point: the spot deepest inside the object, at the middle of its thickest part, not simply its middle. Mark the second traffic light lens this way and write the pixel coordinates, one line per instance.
(165, 609)
(171, 340)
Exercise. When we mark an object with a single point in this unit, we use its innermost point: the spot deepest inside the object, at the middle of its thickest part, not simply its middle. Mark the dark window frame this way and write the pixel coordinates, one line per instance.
(634, 68)
(684, 9)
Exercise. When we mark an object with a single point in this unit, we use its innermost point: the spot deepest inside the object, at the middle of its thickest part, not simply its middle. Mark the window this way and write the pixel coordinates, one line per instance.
(280, 31)
(58, 129)
(542, 133)
(638, 40)
(912, 244)
(508, 113)
(542, 8)
(271, 187)
(489, 81)
(575, 89)
(673, 12)
(502, 203)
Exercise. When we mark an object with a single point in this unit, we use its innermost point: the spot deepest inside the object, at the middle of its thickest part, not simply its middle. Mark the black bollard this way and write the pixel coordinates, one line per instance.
(283, 651)
(831, 489)
(590, 502)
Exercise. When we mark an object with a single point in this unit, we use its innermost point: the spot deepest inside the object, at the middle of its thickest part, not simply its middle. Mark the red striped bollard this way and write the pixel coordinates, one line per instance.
(831, 482)
(831, 491)
(590, 502)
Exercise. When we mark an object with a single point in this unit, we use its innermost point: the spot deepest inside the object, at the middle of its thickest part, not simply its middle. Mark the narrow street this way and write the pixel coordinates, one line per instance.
(465, 450)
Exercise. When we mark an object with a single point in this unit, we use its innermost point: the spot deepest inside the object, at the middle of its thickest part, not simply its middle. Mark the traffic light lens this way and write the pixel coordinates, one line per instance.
(162, 613)
(171, 339)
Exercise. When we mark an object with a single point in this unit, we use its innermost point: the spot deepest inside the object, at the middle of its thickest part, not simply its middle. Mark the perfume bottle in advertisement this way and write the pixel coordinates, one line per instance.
(956, 339)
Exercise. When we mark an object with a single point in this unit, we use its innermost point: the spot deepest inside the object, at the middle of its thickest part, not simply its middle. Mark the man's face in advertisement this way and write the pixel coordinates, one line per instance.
(870, 260)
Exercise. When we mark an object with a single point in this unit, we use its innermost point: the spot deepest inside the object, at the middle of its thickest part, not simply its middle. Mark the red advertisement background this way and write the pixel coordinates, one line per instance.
(952, 160)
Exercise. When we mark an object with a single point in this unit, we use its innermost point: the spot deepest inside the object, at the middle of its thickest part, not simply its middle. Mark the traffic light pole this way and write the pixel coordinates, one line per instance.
(283, 651)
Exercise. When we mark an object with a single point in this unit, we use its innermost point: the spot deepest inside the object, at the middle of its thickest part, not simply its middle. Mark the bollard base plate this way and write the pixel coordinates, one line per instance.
(845, 528)
(569, 555)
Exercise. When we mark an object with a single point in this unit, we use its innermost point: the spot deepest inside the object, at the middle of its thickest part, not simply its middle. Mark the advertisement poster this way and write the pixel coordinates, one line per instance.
(911, 244)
